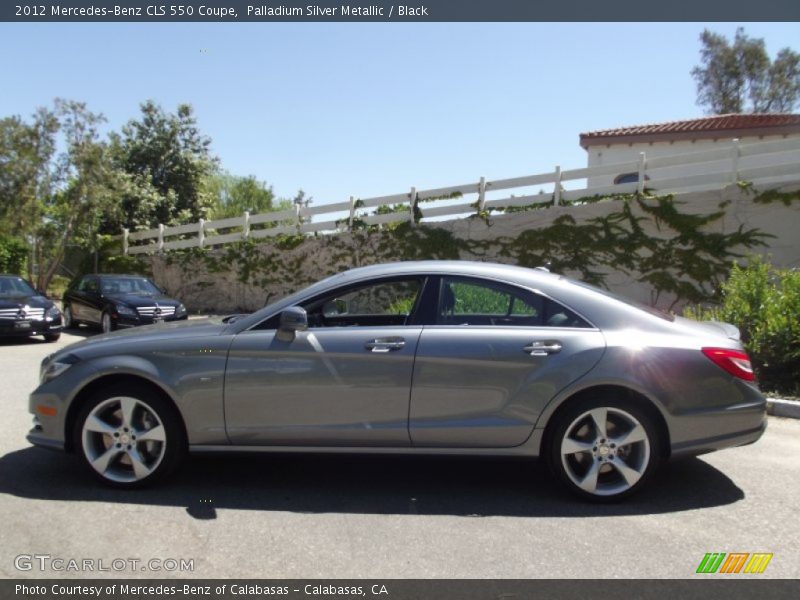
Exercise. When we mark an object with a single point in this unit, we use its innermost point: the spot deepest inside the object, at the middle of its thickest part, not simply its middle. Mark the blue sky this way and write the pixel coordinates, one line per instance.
(373, 108)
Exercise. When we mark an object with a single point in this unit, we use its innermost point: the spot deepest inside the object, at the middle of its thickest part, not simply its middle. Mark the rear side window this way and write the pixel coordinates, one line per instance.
(467, 301)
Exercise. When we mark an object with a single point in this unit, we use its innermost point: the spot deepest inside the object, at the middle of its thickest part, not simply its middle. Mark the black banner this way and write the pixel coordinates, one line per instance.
(416, 11)
(732, 588)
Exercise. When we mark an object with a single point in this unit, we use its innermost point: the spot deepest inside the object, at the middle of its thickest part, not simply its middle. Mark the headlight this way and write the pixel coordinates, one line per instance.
(126, 310)
(181, 310)
(52, 369)
(52, 313)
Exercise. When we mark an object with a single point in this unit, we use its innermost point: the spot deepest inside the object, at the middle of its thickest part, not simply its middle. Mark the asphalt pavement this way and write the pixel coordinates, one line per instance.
(382, 517)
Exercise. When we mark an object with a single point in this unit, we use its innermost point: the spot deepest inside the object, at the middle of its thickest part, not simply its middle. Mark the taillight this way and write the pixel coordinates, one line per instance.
(734, 362)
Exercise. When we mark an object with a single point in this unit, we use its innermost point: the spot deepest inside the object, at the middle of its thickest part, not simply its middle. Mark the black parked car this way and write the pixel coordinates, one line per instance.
(112, 301)
(25, 312)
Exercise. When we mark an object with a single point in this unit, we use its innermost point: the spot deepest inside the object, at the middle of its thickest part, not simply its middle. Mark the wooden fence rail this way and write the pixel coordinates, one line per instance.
(761, 163)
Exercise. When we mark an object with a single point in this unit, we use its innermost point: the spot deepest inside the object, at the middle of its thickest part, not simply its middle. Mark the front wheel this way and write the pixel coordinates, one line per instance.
(604, 449)
(52, 337)
(105, 323)
(129, 436)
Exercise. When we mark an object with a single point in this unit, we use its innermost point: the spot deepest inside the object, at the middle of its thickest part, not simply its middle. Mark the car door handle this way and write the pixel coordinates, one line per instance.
(385, 344)
(543, 348)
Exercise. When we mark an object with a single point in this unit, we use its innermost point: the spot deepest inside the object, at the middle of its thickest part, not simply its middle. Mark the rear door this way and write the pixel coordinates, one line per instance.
(494, 358)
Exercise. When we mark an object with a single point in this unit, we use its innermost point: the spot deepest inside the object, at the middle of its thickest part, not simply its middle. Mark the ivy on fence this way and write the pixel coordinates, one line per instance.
(682, 256)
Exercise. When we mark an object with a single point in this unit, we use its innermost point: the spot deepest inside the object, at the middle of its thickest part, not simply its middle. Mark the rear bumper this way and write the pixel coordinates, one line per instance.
(736, 425)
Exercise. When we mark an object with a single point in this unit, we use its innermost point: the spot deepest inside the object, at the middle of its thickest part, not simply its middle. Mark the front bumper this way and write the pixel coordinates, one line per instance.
(131, 321)
(49, 418)
(37, 439)
(23, 328)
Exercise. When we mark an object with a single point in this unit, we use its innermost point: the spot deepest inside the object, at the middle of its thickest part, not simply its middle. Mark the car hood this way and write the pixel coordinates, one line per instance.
(20, 301)
(149, 334)
(137, 300)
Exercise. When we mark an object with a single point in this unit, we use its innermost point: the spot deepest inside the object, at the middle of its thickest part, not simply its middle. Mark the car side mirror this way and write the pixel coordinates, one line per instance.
(293, 319)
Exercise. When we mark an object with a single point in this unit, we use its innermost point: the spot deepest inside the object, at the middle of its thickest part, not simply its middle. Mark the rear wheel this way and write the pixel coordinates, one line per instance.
(129, 436)
(67, 318)
(604, 449)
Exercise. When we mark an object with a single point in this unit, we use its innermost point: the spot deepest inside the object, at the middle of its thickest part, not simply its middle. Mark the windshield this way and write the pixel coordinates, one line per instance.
(15, 286)
(657, 312)
(128, 285)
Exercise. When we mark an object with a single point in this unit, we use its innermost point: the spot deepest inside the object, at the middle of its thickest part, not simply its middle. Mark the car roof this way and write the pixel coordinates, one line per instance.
(450, 267)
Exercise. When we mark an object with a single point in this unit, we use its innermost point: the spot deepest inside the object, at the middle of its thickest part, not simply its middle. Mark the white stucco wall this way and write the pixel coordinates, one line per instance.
(601, 155)
(220, 290)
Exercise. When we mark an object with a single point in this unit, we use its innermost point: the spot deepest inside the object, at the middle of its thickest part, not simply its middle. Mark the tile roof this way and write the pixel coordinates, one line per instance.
(717, 123)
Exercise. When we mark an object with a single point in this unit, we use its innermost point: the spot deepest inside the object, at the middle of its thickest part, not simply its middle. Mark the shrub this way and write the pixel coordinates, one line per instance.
(13, 255)
(764, 303)
(58, 285)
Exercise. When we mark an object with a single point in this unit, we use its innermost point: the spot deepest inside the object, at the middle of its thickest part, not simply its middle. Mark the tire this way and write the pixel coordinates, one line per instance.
(52, 337)
(106, 324)
(608, 462)
(129, 436)
(67, 319)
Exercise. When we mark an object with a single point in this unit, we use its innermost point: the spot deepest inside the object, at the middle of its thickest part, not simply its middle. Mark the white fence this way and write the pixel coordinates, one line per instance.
(761, 163)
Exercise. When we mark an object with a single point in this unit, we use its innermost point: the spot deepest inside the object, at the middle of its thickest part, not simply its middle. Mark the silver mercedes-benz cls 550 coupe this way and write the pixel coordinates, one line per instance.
(430, 357)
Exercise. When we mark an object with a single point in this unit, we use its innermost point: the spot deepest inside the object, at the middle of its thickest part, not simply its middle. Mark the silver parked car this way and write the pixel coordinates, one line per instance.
(415, 357)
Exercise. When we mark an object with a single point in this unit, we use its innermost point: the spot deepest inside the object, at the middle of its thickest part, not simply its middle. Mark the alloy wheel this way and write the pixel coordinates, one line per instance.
(605, 451)
(124, 439)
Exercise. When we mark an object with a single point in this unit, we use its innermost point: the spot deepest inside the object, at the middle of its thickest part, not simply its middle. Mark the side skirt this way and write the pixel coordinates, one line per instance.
(529, 449)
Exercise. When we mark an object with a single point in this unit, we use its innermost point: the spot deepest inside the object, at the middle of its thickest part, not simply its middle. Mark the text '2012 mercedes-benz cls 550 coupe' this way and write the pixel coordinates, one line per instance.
(433, 357)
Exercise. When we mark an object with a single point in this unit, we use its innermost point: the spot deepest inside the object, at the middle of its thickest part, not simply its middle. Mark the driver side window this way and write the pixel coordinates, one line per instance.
(384, 303)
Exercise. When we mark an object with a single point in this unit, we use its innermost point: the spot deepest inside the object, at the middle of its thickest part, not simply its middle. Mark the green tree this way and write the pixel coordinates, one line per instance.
(13, 254)
(740, 76)
(232, 195)
(166, 160)
(763, 302)
(56, 180)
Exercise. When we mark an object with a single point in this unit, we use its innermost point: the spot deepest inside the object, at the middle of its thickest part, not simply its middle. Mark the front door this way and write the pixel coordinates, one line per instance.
(345, 381)
(86, 304)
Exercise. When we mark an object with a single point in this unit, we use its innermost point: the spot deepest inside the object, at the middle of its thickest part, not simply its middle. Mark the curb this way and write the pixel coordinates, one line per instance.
(783, 408)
